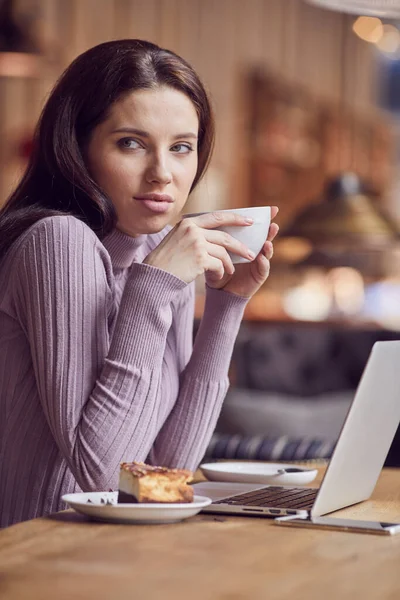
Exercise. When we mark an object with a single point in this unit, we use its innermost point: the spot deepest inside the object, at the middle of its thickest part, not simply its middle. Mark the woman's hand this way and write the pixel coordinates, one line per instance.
(193, 247)
(248, 277)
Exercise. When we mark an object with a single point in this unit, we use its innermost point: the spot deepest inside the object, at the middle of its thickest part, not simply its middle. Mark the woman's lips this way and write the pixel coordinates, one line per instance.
(157, 203)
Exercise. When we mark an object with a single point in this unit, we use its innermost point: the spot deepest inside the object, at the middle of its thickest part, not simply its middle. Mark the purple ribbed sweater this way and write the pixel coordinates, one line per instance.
(97, 364)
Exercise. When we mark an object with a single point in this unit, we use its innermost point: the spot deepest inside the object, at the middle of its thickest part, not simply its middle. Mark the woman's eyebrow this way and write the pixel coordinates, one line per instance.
(131, 130)
(189, 134)
(145, 134)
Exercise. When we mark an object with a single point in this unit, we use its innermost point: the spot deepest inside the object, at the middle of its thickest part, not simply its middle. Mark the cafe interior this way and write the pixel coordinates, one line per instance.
(306, 98)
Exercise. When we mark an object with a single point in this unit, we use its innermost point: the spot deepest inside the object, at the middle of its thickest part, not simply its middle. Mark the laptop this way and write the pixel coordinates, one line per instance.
(357, 460)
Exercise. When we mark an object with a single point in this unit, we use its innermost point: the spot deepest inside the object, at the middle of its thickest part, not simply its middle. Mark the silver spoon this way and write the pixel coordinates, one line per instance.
(291, 470)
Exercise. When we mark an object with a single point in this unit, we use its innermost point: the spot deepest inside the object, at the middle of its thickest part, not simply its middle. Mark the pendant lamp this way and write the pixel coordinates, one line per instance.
(346, 227)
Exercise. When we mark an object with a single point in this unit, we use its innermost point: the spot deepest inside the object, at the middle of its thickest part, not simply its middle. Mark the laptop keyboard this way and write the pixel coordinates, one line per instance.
(274, 496)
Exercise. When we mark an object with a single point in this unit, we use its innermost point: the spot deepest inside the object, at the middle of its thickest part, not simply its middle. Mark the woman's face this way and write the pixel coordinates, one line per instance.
(144, 157)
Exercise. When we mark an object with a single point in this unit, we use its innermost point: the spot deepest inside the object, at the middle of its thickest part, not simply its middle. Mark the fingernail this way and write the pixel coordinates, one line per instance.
(251, 254)
(249, 220)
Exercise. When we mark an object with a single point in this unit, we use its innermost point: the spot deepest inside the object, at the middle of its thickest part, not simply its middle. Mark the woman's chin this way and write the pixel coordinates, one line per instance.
(144, 228)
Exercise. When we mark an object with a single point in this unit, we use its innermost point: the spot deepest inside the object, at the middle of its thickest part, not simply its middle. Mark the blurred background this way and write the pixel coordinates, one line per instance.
(307, 99)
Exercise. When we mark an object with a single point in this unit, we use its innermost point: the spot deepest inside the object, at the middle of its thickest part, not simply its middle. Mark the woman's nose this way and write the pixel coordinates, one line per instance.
(158, 171)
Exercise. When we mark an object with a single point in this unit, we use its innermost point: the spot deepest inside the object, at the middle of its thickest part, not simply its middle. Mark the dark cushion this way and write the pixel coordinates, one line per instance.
(302, 360)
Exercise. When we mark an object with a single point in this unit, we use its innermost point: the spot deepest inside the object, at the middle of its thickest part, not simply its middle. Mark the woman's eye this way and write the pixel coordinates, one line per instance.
(182, 148)
(129, 143)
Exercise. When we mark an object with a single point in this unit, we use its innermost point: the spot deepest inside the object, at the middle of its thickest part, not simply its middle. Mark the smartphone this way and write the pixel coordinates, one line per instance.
(340, 524)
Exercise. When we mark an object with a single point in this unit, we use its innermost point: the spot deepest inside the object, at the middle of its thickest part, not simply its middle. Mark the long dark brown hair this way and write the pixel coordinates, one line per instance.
(57, 180)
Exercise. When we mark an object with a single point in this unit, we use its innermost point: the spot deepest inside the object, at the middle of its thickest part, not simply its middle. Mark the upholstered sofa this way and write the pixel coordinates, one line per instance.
(291, 387)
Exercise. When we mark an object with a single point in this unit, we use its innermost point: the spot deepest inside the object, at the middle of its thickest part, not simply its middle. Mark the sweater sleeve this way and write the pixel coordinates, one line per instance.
(186, 433)
(98, 393)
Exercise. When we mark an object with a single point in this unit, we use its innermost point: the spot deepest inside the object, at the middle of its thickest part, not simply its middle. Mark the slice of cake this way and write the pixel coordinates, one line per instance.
(139, 482)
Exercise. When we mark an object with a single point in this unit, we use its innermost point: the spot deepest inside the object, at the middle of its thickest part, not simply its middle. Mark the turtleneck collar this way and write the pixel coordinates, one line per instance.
(122, 248)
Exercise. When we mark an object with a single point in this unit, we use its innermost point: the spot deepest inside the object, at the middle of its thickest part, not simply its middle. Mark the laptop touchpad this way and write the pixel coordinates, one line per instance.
(218, 490)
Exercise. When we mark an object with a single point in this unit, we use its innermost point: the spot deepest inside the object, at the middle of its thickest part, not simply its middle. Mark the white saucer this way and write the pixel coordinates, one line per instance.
(103, 506)
(257, 472)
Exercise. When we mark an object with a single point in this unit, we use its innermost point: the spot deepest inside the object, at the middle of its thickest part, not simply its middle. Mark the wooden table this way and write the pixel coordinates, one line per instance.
(207, 557)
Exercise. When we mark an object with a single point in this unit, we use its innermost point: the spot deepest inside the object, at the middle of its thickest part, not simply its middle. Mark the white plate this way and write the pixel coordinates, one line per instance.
(99, 510)
(257, 472)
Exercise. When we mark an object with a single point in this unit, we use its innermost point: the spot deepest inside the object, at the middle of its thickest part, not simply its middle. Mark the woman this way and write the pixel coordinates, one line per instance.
(97, 291)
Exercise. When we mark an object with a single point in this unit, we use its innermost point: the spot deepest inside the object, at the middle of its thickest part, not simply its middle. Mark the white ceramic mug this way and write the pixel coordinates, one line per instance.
(253, 236)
